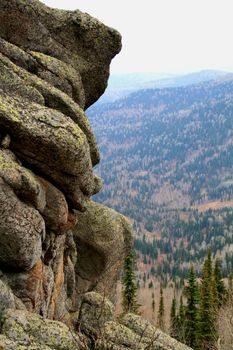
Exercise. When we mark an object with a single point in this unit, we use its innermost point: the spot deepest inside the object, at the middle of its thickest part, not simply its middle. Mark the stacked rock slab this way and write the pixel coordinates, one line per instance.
(53, 65)
(55, 243)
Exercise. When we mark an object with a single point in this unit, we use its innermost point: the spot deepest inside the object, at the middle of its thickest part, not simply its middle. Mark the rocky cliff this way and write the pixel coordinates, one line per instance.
(58, 249)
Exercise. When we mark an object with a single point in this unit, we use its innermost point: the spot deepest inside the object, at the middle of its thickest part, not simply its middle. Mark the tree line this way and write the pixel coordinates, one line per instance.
(195, 323)
(204, 301)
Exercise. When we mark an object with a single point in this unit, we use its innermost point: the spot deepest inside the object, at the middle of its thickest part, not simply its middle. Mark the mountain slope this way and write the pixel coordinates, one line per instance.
(166, 151)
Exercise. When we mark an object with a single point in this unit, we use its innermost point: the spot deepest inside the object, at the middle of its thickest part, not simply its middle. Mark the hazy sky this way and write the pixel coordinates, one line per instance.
(165, 35)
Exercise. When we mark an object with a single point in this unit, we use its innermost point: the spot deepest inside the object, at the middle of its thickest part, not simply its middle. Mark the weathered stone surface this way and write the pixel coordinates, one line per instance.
(7, 299)
(22, 181)
(121, 336)
(118, 336)
(158, 339)
(103, 238)
(30, 331)
(95, 311)
(61, 75)
(72, 37)
(37, 90)
(64, 151)
(96, 319)
(55, 212)
(21, 231)
(56, 253)
(8, 344)
(33, 287)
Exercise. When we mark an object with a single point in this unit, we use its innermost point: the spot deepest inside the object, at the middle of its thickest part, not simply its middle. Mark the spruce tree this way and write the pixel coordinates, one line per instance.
(181, 322)
(173, 319)
(129, 285)
(191, 311)
(160, 320)
(208, 333)
(220, 287)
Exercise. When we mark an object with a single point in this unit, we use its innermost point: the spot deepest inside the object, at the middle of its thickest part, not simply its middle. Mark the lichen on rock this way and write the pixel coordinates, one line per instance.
(21, 329)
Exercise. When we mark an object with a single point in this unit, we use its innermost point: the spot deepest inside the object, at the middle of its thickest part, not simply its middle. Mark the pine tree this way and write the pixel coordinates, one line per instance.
(208, 333)
(129, 285)
(191, 311)
(160, 320)
(220, 287)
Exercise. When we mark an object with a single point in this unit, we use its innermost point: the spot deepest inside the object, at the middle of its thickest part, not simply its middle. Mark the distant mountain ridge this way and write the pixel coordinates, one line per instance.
(121, 85)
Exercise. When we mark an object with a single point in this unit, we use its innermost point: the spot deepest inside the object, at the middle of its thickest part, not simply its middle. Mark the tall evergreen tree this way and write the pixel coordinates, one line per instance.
(208, 333)
(191, 311)
(220, 286)
(129, 285)
(181, 322)
(160, 320)
(174, 319)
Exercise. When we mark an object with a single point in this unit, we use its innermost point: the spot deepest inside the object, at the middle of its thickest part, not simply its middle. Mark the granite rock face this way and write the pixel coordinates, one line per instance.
(53, 64)
(56, 245)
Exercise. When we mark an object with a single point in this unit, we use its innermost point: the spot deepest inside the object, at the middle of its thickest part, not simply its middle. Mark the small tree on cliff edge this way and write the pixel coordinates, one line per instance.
(129, 285)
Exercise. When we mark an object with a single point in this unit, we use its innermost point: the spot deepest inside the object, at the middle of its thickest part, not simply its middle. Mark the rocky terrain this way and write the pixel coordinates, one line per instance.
(59, 251)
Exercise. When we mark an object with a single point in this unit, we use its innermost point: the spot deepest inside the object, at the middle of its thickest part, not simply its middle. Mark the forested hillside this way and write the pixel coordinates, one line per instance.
(167, 157)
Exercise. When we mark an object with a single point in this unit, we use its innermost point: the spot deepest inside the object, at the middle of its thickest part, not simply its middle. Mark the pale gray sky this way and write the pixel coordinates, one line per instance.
(165, 35)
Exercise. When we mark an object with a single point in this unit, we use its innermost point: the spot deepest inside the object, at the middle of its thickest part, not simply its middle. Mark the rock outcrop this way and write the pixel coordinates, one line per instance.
(55, 243)
(97, 326)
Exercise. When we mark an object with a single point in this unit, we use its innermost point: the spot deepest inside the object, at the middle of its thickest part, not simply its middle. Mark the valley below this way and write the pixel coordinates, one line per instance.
(167, 156)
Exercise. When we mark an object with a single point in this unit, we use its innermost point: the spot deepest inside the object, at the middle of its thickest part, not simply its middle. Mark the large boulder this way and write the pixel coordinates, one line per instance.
(72, 37)
(95, 311)
(103, 238)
